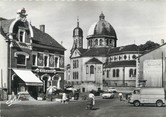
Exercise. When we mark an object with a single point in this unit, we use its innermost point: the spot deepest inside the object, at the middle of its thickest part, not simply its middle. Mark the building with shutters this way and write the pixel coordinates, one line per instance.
(102, 63)
(31, 60)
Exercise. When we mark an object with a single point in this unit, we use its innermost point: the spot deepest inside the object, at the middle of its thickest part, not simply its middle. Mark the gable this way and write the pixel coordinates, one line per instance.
(76, 53)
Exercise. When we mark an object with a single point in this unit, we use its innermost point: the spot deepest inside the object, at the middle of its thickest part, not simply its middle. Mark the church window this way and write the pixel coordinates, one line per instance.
(134, 73)
(76, 43)
(91, 69)
(125, 57)
(87, 69)
(108, 73)
(120, 57)
(134, 56)
(101, 42)
(115, 58)
(117, 73)
(131, 73)
(76, 32)
(96, 42)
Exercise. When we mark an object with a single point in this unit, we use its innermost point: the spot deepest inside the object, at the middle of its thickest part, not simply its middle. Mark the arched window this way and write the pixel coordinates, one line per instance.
(91, 69)
(96, 42)
(135, 72)
(125, 57)
(114, 73)
(117, 73)
(101, 42)
(131, 73)
(87, 69)
(108, 73)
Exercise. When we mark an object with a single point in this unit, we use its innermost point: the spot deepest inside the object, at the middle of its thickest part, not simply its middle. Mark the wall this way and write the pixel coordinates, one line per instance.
(153, 55)
(3, 62)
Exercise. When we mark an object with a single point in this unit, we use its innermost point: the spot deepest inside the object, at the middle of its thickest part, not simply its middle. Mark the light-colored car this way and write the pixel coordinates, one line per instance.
(106, 95)
(112, 89)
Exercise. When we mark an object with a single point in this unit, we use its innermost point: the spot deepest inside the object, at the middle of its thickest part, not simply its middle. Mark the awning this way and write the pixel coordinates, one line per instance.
(28, 77)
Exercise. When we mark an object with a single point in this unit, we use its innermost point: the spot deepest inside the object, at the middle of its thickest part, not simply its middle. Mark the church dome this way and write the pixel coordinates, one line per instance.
(102, 28)
(77, 31)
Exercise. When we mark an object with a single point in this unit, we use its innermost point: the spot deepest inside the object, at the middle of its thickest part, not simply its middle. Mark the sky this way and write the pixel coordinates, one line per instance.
(135, 21)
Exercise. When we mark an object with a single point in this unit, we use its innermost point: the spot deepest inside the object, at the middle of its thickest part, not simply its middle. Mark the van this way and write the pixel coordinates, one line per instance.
(148, 96)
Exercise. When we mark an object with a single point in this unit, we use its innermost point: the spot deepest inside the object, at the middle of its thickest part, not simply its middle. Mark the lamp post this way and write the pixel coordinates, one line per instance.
(10, 45)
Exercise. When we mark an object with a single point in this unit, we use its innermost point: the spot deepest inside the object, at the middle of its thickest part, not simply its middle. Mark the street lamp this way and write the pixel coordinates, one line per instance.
(9, 41)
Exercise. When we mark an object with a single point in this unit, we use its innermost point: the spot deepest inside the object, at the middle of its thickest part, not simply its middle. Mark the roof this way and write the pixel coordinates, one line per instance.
(96, 52)
(82, 50)
(5, 24)
(123, 49)
(45, 39)
(110, 51)
(120, 64)
(101, 28)
(40, 38)
(94, 61)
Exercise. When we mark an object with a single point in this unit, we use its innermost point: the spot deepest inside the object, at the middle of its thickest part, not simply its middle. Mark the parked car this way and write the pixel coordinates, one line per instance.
(112, 89)
(108, 95)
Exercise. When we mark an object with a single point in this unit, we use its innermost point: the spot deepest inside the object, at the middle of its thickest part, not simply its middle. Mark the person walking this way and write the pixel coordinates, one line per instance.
(92, 96)
(64, 98)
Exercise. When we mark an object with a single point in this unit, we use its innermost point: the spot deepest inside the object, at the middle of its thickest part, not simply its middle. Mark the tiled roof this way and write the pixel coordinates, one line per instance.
(82, 50)
(5, 24)
(94, 61)
(40, 38)
(95, 52)
(122, 49)
(45, 39)
(120, 64)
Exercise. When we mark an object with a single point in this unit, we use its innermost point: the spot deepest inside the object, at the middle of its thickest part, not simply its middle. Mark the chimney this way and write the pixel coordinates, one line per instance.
(42, 28)
(162, 41)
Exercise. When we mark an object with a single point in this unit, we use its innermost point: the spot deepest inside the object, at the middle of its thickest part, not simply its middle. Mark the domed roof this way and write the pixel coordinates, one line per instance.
(101, 28)
(77, 31)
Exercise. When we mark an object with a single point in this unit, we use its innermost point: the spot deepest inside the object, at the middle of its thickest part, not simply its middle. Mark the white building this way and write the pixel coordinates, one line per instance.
(102, 62)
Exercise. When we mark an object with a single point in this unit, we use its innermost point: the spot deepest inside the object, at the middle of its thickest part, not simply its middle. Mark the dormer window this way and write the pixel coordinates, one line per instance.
(21, 35)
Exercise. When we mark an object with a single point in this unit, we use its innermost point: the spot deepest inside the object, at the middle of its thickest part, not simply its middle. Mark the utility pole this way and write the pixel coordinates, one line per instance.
(124, 76)
(162, 70)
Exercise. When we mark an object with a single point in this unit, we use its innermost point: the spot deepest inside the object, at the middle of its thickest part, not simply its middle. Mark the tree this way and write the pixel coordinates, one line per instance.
(149, 45)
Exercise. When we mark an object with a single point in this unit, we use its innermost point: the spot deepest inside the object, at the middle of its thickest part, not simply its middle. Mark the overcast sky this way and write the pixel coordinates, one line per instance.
(134, 21)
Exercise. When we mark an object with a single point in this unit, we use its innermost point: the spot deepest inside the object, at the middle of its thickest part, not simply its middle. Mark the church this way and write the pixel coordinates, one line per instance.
(102, 63)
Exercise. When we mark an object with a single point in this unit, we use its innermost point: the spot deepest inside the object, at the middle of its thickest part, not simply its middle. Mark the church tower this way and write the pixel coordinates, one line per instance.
(77, 37)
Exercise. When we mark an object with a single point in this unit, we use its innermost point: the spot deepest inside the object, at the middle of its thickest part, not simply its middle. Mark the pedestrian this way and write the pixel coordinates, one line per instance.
(120, 96)
(92, 96)
(64, 98)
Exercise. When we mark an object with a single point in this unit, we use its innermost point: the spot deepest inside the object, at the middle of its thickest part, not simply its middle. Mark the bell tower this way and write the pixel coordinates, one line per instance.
(77, 37)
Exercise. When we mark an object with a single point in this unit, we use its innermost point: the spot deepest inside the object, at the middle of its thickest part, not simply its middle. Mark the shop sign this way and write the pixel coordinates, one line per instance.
(45, 70)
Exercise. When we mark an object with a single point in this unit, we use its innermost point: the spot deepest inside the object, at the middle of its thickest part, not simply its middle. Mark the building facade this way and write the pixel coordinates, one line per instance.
(102, 63)
(152, 68)
(31, 60)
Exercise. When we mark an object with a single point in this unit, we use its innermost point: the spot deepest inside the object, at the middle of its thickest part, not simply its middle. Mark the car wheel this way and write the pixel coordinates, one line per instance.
(136, 103)
(159, 103)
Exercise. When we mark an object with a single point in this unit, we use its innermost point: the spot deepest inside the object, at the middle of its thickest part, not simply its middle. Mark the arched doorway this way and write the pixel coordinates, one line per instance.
(56, 81)
(46, 82)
